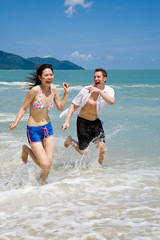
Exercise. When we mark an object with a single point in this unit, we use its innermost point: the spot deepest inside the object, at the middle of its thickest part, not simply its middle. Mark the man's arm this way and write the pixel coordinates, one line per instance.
(71, 109)
(110, 100)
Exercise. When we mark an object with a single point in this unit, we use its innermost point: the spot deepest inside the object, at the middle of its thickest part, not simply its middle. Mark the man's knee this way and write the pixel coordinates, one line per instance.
(102, 148)
(82, 152)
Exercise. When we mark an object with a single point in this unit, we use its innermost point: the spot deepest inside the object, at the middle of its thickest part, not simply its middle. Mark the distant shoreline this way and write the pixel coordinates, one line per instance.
(9, 61)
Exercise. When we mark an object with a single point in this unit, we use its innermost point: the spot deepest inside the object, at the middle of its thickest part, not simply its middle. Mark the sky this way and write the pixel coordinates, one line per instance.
(112, 34)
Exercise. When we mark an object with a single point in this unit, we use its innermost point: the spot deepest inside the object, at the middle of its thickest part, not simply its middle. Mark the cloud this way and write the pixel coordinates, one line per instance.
(110, 58)
(78, 56)
(154, 59)
(47, 56)
(71, 4)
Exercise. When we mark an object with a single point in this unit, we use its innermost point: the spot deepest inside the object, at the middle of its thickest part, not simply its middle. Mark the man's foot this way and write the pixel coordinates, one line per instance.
(68, 141)
(24, 154)
(100, 160)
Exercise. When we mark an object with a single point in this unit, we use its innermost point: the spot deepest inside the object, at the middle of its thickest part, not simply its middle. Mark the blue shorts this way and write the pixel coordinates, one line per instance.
(37, 134)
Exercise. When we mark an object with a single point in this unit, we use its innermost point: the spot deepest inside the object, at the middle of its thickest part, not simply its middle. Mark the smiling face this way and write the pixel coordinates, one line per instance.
(47, 77)
(99, 80)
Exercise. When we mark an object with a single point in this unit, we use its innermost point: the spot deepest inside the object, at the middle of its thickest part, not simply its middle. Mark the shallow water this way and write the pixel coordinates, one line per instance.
(82, 200)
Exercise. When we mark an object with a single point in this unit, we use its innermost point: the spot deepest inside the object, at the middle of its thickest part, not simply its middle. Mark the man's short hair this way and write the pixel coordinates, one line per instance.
(104, 73)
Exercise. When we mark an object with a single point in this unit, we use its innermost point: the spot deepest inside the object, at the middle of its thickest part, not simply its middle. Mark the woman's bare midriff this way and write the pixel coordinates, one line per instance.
(38, 117)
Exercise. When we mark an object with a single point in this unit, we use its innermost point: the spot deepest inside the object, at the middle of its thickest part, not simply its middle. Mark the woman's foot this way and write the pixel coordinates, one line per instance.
(24, 154)
(68, 141)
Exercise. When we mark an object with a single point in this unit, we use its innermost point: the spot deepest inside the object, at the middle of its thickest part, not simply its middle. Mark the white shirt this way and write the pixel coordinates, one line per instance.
(81, 99)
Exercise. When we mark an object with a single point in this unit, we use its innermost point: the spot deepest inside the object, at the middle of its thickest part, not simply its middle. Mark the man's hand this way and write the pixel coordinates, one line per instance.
(93, 89)
(65, 126)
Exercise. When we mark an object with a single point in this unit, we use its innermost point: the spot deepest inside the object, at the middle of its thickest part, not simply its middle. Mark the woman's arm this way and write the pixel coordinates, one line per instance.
(23, 109)
(61, 103)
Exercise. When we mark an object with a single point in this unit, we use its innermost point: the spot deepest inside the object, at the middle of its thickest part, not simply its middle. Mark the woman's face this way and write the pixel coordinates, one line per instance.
(47, 77)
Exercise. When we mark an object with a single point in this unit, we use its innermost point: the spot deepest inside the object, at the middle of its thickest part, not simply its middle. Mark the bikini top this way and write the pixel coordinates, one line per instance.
(39, 104)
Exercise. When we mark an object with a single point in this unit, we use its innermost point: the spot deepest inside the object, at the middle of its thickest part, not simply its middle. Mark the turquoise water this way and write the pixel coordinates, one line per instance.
(83, 200)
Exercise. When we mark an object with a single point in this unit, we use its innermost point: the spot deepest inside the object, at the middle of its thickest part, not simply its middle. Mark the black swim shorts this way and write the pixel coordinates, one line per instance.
(89, 131)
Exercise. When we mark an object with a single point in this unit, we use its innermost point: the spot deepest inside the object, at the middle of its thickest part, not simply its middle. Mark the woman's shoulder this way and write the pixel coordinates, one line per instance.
(53, 88)
(35, 90)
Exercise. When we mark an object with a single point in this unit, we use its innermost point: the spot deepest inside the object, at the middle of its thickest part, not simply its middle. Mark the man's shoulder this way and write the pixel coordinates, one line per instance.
(107, 87)
(109, 90)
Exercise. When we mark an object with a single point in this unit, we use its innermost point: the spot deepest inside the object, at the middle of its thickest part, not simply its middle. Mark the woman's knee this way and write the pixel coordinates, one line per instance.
(47, 163)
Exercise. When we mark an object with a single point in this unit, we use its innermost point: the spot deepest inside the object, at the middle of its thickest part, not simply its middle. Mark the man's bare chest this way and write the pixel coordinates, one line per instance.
(92, 101)
(89, 110)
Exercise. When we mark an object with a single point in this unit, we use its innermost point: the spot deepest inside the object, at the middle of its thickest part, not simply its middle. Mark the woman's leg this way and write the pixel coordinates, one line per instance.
(41, 154)
(48, 145)
(27, 151)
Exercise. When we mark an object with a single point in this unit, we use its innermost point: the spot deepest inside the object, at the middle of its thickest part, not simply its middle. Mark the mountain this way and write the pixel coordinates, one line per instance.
(12, 61)
(57, 65)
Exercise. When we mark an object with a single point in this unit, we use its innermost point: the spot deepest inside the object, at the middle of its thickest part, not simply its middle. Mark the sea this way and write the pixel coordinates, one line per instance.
(82, 200)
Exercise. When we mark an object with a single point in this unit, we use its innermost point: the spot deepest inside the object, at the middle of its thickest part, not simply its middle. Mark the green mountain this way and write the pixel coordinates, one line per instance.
(12, 61)
(57, 65)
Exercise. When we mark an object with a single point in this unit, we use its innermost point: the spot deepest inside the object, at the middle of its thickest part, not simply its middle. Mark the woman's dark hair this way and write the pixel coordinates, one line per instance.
(34, 79)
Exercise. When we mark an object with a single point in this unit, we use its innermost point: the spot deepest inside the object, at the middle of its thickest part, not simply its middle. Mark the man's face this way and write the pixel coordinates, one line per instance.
(99, 80)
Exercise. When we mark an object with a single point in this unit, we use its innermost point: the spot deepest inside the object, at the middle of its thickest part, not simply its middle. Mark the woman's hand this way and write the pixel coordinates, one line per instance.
(66, 87)
(12, 126)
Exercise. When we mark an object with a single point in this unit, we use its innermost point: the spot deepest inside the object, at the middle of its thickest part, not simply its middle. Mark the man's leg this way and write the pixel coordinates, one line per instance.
(69, 141)
(102, 150)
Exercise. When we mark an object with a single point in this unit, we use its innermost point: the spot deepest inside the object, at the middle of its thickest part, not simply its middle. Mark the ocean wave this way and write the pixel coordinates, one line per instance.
(144, 85)
(12, 83)
(9, 117)
(76, 87)
(23, 84)
(3, 88)
(79, 87)
(137, 86)
(113, 132)
(71, 88)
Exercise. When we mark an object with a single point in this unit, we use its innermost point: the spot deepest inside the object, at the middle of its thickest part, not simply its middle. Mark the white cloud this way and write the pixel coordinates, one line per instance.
(78, 56)
(154, 59)
(71, 4)
(69, 11)
(48, 56)
(110, 58)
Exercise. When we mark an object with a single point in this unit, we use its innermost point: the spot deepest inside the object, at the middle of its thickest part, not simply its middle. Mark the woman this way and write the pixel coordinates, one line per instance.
(41, 98)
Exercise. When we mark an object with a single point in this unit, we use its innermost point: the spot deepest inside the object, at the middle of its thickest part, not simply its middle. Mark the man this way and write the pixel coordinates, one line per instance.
(88, 105)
